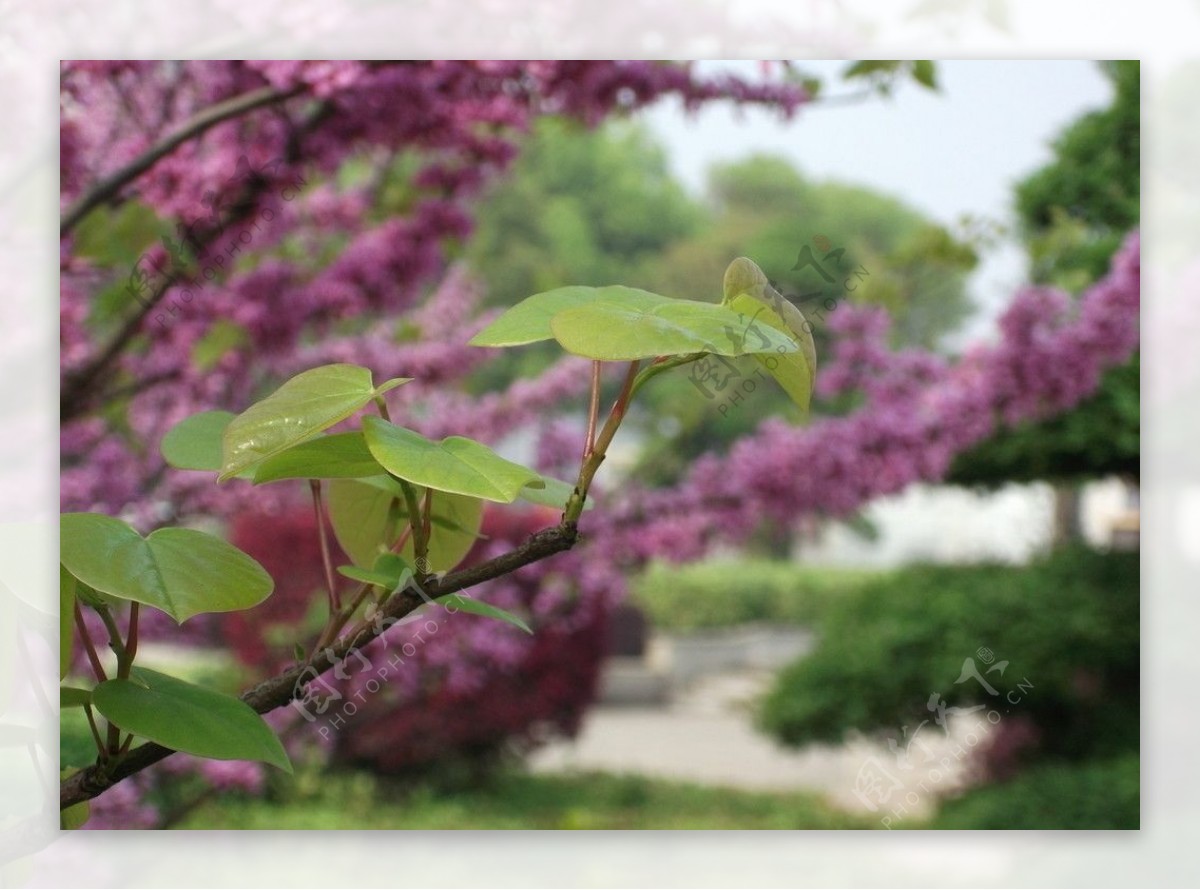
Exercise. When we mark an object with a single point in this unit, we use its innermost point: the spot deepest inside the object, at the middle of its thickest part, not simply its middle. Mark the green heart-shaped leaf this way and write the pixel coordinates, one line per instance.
(304, 406)
(609, 332)
(189, 718)
(73, 697)
(66, 619)
(794, 370)
(529, 320)
(195, 442)
(455, 464)
(748, 291)
(358, 511)
(475, 607)
(744, 277)
(181, 571)
(339, 456)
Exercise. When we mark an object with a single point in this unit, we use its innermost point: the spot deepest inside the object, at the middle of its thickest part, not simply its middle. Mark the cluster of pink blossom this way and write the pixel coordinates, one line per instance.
(223, 775)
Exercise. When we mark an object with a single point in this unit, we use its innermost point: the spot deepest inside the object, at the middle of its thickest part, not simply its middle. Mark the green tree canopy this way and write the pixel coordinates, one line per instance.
(764, 208)
(580, 206)
(1073, 213)
(1075, 210)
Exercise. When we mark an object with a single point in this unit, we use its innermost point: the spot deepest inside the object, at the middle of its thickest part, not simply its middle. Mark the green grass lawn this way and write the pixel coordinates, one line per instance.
(349, 800)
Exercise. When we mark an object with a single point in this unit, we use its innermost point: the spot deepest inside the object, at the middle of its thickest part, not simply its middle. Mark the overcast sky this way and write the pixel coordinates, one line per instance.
(949, 153)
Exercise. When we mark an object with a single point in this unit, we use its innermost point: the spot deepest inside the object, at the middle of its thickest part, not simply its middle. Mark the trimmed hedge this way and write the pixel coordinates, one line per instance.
(1068, 624)
(1094, 794)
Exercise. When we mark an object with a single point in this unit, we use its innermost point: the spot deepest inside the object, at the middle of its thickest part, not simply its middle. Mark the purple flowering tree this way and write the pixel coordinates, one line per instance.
(222, 232)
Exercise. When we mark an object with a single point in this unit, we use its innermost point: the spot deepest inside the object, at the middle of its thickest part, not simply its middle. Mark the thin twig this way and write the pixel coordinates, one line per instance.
(427, 517)
(131, 641)
(589, 442)
(338, 621)
(209, 117)
(114, 639)
(89, 646)
(420, 539)
(91, 719)
(123, 665)
(587, 470)
(334, 602)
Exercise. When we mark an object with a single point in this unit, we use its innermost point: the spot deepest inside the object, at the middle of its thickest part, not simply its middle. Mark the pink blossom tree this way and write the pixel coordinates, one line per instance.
(222, 231)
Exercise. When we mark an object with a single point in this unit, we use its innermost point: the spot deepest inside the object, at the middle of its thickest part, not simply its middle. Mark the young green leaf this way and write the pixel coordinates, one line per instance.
(609, 332)
(119, 236)
(529, 320)
(75, 817)
(455, 464)
(392, 565)
(66, 619)
(868, 67)
(368, 576)
(223, 336)
(748, 291)
(475, 607)
(388, 572)
(304, 406)
(925, 73)
(181, 571)
(195, 442)
(73, 697)
(358, 511)
(338, 456)
(556, 493)
(189, 718)
(791, 371)
(91, 597)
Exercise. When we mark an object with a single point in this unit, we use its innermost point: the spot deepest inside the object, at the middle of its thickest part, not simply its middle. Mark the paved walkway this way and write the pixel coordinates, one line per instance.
(707, 736)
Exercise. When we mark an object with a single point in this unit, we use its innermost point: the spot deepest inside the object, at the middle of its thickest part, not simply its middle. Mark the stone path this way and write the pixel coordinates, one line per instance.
(706, 735)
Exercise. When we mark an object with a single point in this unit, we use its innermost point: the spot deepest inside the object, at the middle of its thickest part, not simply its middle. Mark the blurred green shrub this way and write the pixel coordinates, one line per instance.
(1094, 794)
(1067, 624)
(726, 593)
